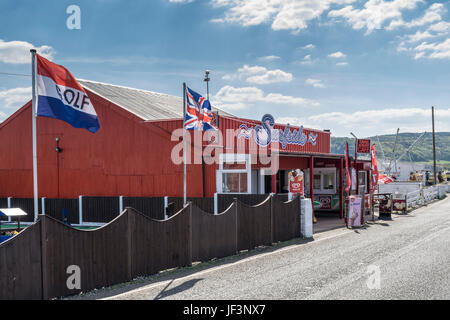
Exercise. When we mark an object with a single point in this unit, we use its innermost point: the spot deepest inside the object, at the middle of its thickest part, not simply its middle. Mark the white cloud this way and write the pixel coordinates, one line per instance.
(181, 1)
(232, 98)
(283, 14)
(337, 55)
(375, 13)
(259, 75)
(306, 60)
(442, 26)
(435, 50)
(309, 46)
(18, 52)
(439, 32)
(375, 121)
(271, 76)
(315, 83)
(269, 58)
(342, 64)
(432, 14)
(15, 98)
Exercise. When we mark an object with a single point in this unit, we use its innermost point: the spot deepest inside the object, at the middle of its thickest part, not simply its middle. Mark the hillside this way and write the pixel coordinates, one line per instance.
(421, 152)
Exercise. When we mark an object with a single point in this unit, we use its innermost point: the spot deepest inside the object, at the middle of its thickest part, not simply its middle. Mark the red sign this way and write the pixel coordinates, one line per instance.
(363, 146)
(296, 182)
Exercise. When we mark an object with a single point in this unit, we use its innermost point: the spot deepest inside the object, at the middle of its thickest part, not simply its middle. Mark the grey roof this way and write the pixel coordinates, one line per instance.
(145, 104)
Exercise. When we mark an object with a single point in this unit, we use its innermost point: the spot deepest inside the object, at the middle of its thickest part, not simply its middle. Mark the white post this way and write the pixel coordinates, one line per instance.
(120, 204)
(43, 205)
(290, 196)
(33, 115)
(80, 209)
(166, 204)
(216, 203)
(306, 218)
(184, 145)
(9, 206)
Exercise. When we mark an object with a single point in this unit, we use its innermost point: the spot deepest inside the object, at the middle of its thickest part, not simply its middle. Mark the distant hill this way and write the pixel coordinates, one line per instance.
(421, 152)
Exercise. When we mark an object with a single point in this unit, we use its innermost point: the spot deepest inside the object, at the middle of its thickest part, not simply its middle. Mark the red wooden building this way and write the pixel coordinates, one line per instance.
(131, 153)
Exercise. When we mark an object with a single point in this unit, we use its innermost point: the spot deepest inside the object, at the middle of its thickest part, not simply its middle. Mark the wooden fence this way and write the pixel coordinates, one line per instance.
(34, 264)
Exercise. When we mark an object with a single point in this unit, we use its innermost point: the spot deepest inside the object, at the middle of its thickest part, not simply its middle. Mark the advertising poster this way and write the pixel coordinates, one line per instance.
(325, 202)
(354, 211)
(296, 182)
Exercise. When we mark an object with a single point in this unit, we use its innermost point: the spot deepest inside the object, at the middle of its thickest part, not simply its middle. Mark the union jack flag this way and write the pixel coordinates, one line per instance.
(198, 112)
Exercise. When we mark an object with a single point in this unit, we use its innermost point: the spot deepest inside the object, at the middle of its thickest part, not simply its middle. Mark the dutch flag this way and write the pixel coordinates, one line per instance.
(60, 96)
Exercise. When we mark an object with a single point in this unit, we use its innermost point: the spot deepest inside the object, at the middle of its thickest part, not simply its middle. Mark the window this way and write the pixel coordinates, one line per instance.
(362, 180)
(328, 181)
(234, 174)
(324, 180)
(317, 181)
(234, 182)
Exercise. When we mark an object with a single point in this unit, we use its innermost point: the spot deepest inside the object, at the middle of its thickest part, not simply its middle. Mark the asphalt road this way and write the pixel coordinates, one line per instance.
(411, 255)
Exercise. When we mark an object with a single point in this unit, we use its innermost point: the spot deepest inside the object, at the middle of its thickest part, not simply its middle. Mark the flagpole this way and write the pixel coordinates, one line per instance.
(184, 144)
(33, 114)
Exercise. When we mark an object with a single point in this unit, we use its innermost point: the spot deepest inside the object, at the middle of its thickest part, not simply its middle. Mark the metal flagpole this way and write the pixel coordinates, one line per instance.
(184, 143)
(33, 113)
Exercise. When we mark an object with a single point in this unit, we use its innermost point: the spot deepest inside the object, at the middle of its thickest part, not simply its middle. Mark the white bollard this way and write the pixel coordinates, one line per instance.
(166, 204)
(216, 203)
(9, 206)
(120, 204)
(80, 209)
(306, 218)
(43, 205)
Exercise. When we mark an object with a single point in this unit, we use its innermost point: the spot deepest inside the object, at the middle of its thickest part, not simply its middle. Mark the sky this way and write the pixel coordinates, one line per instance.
(367, 67)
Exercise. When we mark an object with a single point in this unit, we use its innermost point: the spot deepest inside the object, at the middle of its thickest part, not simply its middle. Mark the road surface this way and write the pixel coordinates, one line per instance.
(406, 258)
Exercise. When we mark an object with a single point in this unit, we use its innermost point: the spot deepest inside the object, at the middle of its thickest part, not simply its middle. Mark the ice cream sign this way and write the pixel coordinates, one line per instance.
(265, 134)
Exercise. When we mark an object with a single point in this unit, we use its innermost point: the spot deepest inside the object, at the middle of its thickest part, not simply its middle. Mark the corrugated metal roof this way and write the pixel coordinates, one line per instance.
(145, 104)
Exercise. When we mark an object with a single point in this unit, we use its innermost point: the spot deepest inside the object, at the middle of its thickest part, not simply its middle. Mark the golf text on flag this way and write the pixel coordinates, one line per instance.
(198, 112)
(60, 96)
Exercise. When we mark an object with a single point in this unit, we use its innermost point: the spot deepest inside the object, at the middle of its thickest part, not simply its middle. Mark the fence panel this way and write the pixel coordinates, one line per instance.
(20, 265)
(254, 225)
(150, 207)
(213, 236)
(3, 204)
(225, 200)
(158, 245)
(54, 208)
(101, 255)
(100, 209)
(286, 219)
(176, 204)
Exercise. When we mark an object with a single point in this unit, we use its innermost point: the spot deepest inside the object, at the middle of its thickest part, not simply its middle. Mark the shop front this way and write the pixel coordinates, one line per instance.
(287, 150)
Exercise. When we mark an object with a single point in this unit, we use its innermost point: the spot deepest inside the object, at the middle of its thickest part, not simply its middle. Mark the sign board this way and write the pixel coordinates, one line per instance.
(326, 202)
(296, 182)
(363, 145)
(354, 211)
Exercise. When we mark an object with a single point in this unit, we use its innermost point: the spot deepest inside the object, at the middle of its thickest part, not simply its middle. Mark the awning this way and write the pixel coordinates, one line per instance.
(12, 212)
